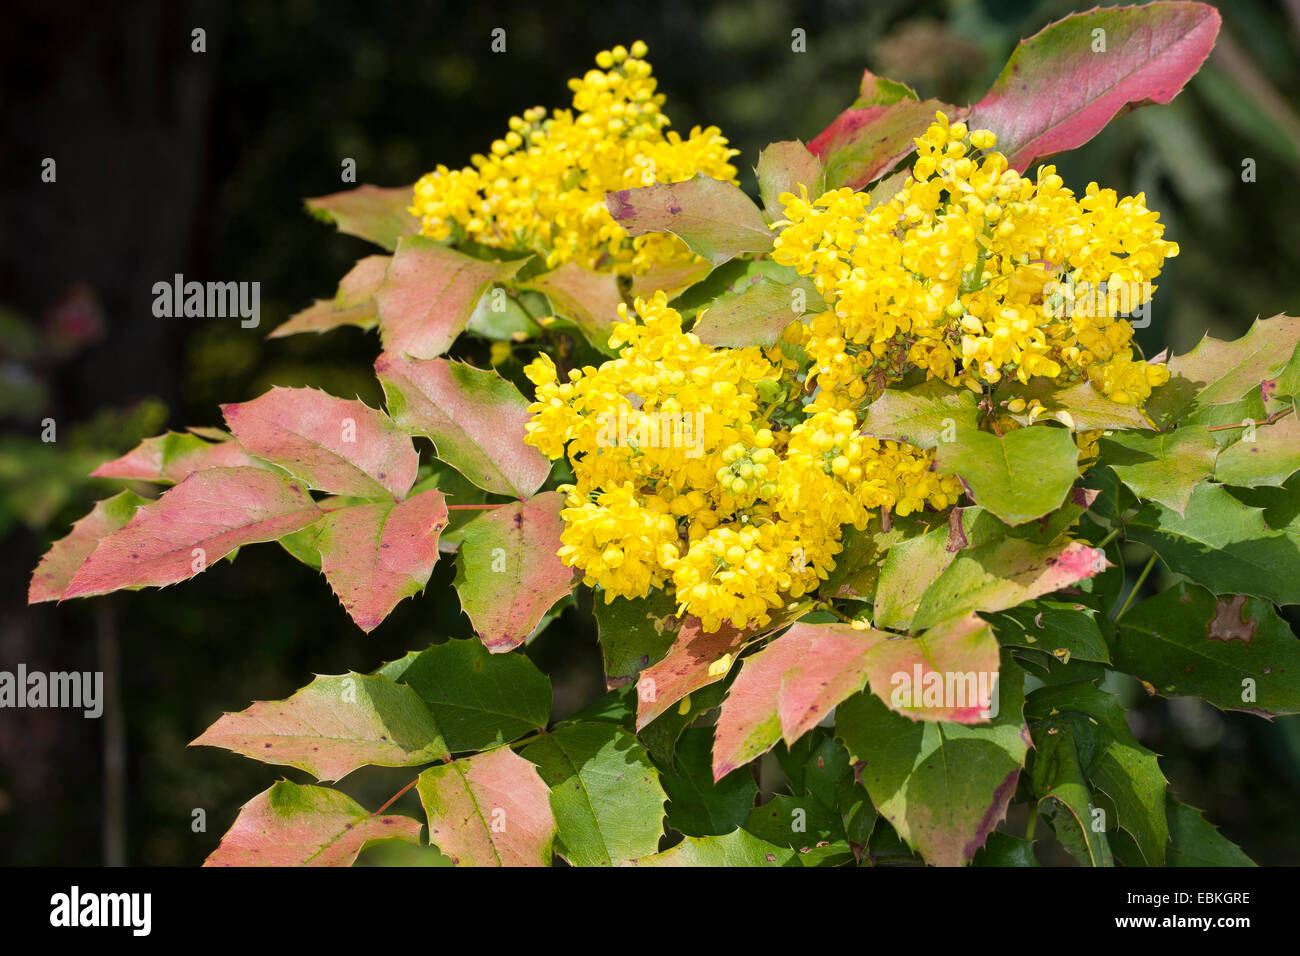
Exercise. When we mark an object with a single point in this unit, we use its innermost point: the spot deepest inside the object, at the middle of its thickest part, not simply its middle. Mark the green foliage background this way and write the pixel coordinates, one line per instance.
(173, 161)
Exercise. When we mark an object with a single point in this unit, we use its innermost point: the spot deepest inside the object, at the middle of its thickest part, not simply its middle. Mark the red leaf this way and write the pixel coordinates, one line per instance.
(430, 294)
(475, 418)
(1056, 93)
(686, 667)
(508, 574)
(714, 218)
(291, 825)
(861, 145)
(50, 580)
(353, 304)
(172, 458)
(491, 809)
(369, 212)
(376, 555)
(336, 445)
(590, 299)
(211, 512)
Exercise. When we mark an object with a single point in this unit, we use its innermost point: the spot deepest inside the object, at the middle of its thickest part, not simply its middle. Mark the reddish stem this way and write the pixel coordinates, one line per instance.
(470, 507)
(1281, 413)
(394, 798)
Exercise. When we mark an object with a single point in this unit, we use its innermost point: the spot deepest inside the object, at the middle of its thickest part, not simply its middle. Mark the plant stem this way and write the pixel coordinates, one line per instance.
(1108, 539)
(1137, 586)
(471, 507)
(1033, 821)
(1280, 413)
(393, 799)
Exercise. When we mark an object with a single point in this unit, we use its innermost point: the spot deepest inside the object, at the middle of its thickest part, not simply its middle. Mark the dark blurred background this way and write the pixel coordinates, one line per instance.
(174, 161)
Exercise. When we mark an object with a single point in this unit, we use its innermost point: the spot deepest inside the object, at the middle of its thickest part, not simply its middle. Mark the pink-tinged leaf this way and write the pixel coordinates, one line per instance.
(56, 569)
(333, 726)
(696, 659)
(749, 722)
(336, 445)
(671, 280)
(192, 526)
(353, 304)
(590, 299)
(491, 809)
(784, 167)
(292, 825)
(833, 667)
(861, 145)
(372, 213)
(475, 418)
(1002, 574)
(508, 572)
(376, 555)
(173, 457)
(714, 218)
(430, 294)
(1059, 89)
(948, 673)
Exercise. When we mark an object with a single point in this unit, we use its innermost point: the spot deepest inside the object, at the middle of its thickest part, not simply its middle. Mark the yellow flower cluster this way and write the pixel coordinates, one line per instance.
(686, 480)
(542, 188)
(974, 273)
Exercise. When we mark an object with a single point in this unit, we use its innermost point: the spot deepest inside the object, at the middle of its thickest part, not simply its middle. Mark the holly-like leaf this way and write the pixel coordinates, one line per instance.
(479, 700)
(1234, 652)
(333, 726)
(508, 573)
(1194, 841)
(801, 823)
(1267, 455)
(1065, 83)
(1225, 545)
(1019, 476)
(736, 849)
(1217, 372)
(336, 445)
(372, 213)
(943, 786)
(430, 293)
(193, 525)
(923, 415)
(590, 299)
(1004, 573)
(1163, 467)
(1066, 631)
(376, 555)
(292, 825)
(862, 144)
(56, 569)
(474, 417)
(608, 803)
(173, 457)
(695, 660)
(911, 565)
(491, 809)
(698, 805)
(1085, 408)
(757, 314)
(353, 303)
(714, 218)
(784, 167)
(634, 633)
(1064, 749)
(878, 91)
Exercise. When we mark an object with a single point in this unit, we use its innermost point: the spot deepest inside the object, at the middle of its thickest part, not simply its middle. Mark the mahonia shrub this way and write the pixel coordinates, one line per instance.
(851, 475)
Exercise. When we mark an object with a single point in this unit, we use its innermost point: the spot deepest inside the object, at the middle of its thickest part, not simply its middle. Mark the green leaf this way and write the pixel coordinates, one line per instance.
(1086, 408)
(372, 213)
(1193, 841)
(784, 167)
(333, 726)
(475, 418)
(1164, 467)
(660, 736)
(634, 633)
(714, 218)
(1225, 545)
(1218, 372)
(731, 850)
(479, 699)
(491, 809)
(923, 415)
(292, 825)
(879, 91)
(1235, 652)
(590, 299)
(697, 806)
(1003, 849)
(800, 823)
(605, 791)
(943, 787)
(757, 314)
(1064, 749)
(1019, 476)
(1066, 631)
(1267, 455)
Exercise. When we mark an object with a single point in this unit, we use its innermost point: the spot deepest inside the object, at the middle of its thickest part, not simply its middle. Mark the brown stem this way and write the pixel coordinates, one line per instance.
(394, 798)
(1280, 413)
(471, 507)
